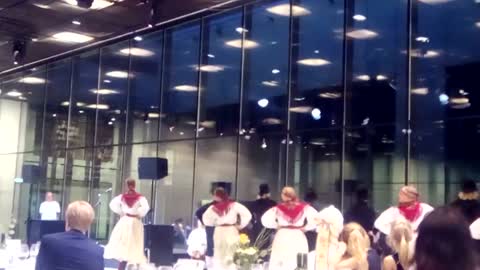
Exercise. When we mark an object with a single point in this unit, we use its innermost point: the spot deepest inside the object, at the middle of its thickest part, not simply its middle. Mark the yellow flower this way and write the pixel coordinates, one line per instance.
(244, 240)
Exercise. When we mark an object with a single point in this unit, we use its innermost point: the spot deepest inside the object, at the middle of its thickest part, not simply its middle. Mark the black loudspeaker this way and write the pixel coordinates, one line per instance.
(31, 173)
(159, 240)
(152, 168)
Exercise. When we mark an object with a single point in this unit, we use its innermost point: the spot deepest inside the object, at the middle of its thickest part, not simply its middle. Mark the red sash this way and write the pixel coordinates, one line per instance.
(291, 212)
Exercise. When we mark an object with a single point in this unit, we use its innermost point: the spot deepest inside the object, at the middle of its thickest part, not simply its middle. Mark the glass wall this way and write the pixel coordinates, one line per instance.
(326, 96)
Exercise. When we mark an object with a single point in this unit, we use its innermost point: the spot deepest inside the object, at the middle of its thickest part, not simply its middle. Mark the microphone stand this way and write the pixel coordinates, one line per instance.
(96, 207)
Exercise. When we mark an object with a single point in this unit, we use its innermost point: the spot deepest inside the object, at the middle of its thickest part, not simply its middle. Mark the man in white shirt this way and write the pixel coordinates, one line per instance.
(49, 209)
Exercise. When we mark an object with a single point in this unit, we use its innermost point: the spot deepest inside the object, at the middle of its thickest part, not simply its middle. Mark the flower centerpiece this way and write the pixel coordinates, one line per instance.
(247, 255)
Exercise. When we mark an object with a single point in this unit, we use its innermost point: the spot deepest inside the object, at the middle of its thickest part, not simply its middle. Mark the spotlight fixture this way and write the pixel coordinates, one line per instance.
(18, 51)
(154, 7)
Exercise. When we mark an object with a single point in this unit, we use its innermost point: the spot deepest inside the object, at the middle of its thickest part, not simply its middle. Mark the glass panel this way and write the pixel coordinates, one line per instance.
(180, 83)
(145, 89)
(317, 64)
(314, 165)
(220, 75)
(266, 68)
(112, 93)
(84, 100)
(261, 161)
(78, 170)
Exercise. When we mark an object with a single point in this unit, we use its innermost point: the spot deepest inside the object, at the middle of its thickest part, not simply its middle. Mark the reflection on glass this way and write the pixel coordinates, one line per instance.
(145, 90)
(220, 75)
(180, 82)
(266, 69)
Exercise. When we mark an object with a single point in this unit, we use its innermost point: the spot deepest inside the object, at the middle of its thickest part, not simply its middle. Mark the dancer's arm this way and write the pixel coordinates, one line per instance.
(384, 221)
(116, 205)
(310, 215)
(210, 217)
(269, 219)
(144, 207)
(245, 215)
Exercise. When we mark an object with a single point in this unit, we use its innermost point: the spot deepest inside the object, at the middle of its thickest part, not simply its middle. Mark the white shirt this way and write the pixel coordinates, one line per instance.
(49, 210)
(385, 220)
(140, 208)
(211, 218)
(197, 242)
(475, 229)
(273, 219)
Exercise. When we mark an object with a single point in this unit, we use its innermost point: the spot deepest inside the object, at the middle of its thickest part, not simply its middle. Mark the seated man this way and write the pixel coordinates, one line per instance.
(72, 250)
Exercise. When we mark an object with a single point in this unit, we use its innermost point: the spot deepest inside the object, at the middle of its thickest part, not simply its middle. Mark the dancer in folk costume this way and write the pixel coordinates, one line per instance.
(409, 207)
(223, 215)
(290, 218)
(329, 250)
(126, 243)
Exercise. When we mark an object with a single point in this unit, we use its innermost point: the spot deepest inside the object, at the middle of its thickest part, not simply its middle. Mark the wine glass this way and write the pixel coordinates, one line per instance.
(24, 252)
(34, 250)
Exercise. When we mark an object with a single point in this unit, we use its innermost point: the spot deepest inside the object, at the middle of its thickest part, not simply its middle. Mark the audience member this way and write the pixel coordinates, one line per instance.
(361, 212)
(357, 248)
(49, 209)
(444, 242)
(400, 241)
(197, 242)
(258, 208)
(467, 202)
(72, 250)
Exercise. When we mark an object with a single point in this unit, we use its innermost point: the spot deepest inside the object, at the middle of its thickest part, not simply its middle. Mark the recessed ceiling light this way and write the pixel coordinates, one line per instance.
(32, 80)
(271, 121)
(477, 24)
(263, 102)
(210, 68)
(316, 114)
(381, 77)
(138, 38)
(137, 52)
(186, 88)
(42, 6)
(422, 39)
(434, 2)
(237, 43)
(363, 77)
(98, 106)
(210, 55)
(66, 103)
(34, 39)
(459, 100)
(316, 51)
(270, 83)
(330, 95)
(362, 34)
(275, 71)
(421, 91)
(359, 17)
(301, 109)
(76, 22)
(117, 74)
(97, 4)
(299, 99)
(284, 10)
(241, 30)
(431, 54)
(313, 62)
(107, 81)
(104, 91)
(14, 93)
(70, 37)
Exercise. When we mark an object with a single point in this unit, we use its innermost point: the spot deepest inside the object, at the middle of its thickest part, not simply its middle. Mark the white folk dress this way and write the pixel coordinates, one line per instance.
(290, 238)
(385, 220)
(126, 242)
(226, 235)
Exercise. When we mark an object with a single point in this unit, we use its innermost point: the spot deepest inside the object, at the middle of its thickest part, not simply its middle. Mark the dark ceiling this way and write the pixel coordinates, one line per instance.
(38, 20)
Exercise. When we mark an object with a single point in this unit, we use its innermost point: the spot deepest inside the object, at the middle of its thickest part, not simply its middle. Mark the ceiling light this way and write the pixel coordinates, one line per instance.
(210, 55)
(32, 80)
(316, 51)
(98, 106)
(271, 121)
(431, 54)
(460, 106)
(153, 115)
(237, 43)
(275, 71)
(81, 111)
(34, 39)
(107, 81)
(313, 62)
(381, 77)
(459, 100)
(443, 98)
(362, 34)
(76, 22)
(463, 92)
(70, 37)
(185, 88)
(477, 24)
(22, 98)
(264, 144)
(263, 102)
(104, 91)
(434, 2)
(14, 93)
(363, 77)
(284, 10)
(422, 91)
(301, 109)
(299, 99)
(208, 124)
(316, 114)
(211, 68)
(330, 95)
(96, 4)
(241, 30)
(359, 17)
(138, 38)
(137, 52)
(42, 6)
(422, 39)
(270, 83)
(117, 74)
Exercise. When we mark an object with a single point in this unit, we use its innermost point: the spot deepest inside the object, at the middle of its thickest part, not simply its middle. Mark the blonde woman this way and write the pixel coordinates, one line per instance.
(400, 240)
(290, 218)
(358, 245)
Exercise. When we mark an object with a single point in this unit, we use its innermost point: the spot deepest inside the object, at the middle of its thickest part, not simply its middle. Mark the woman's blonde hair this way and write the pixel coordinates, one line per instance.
(358, 243)
(401, 234)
